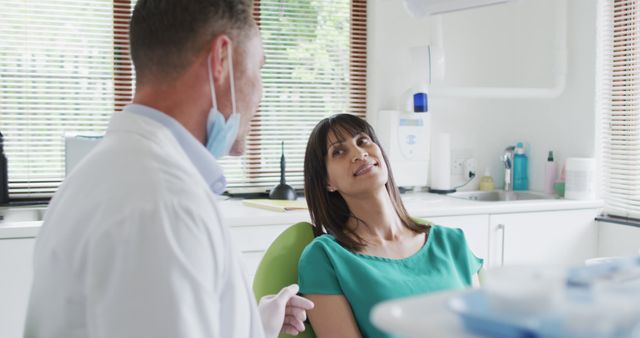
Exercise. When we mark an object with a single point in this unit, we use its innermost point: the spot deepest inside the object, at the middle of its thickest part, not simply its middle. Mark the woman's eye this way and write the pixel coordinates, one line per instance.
(337, 152)
(363, 140)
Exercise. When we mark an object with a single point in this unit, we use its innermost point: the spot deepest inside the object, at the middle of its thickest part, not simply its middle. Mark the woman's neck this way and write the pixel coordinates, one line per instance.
(377, 211)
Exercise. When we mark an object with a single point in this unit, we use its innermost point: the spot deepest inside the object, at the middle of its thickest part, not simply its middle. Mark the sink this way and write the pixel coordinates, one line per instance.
(499, 195)
(22, 214)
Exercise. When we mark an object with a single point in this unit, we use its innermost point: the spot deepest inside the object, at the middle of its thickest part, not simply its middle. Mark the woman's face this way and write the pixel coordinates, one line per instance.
(354, 164)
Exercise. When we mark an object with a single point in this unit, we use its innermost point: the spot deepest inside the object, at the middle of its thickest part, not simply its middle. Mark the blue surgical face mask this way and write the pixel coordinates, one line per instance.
(222, 134)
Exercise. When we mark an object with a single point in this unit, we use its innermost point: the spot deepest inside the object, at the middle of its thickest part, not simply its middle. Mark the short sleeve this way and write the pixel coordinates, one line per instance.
(316, 273)
(466, 263)
(466, 260)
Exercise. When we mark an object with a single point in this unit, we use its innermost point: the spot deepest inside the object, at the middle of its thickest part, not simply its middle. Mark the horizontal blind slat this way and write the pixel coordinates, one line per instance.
(43, 97)
(620, 106)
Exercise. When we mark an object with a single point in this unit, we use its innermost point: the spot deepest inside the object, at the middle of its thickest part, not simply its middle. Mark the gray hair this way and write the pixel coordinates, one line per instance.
(166, 35)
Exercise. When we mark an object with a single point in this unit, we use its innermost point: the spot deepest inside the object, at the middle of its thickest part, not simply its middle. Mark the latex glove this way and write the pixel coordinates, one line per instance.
(284, 312)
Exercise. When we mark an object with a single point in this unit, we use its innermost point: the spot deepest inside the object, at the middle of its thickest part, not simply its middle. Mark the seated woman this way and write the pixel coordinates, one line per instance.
(367, 248)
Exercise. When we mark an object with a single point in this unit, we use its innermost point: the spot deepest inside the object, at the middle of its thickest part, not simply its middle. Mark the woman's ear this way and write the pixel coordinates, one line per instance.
(331, 189)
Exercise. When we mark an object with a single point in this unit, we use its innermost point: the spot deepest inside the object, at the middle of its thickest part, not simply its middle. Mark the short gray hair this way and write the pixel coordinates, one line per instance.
(165, 35)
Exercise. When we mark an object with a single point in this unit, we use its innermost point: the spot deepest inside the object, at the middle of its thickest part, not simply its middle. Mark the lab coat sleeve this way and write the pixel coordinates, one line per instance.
(156, 272)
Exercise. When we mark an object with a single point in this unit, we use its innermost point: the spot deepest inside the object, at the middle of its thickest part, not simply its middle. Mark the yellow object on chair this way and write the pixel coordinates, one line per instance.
(279, 265)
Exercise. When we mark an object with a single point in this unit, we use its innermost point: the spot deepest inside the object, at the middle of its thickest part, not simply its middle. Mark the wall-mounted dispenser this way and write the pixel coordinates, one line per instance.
(420, 8)
(405, 139)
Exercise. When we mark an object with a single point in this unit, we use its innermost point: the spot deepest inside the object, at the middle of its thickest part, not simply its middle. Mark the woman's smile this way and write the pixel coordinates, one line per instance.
(365, 168)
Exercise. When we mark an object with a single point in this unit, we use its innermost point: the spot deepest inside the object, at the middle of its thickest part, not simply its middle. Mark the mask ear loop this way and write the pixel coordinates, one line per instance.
(214, 102)
(232, 81)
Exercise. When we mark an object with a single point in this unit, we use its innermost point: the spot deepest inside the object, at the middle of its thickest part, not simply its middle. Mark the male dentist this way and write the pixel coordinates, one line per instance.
(133, 244)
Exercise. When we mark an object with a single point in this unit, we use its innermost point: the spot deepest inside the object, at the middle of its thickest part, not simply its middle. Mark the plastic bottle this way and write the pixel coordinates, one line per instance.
(559, 185)
(486, 181)
(520, 168)
(550, 171)
(4, 180)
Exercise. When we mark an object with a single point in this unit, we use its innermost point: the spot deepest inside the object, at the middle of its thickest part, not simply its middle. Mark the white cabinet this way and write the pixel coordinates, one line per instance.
(253, 241)
(16, 264)
(475, 228)
(560, 238)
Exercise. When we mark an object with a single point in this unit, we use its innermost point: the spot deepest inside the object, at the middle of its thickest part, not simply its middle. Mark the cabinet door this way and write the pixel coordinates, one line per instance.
(557, 238)
(253, 241)
(475, 228)
(16, 262)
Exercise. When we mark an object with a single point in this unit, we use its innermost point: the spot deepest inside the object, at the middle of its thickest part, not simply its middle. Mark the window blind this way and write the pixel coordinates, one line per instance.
(65, 67)
(57, 75)
(620, 106)
(316, 67)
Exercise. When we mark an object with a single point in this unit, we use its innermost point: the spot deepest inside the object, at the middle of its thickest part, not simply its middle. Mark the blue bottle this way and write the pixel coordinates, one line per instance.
(520, 169)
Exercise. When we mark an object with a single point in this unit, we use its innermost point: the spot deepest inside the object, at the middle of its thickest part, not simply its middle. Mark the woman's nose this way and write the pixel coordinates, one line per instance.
(360, 155)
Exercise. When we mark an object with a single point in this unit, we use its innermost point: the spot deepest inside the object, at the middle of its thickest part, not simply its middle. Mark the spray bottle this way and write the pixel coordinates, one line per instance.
(4, 177)
(550, 173)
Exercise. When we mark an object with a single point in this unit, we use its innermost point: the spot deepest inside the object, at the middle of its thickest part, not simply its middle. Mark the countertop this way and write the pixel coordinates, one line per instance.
(235, 214)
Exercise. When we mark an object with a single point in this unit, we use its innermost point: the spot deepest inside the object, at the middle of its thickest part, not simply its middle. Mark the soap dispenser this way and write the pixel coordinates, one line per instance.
(486, 181)
(4, 179)
(520, 169)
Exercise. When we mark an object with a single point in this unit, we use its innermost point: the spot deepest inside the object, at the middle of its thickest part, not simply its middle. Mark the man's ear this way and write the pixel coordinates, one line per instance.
(218, 49)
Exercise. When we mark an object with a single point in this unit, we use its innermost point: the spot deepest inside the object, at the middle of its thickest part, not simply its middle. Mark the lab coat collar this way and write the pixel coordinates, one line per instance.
(204, 162)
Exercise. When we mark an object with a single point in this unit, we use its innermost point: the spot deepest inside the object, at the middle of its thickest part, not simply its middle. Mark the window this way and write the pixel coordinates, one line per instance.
(316, 67)
(59, 72)
(619, 95)
(64, 67)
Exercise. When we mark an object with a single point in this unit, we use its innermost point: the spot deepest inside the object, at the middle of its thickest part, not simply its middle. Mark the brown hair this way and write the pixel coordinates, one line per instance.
(165, 35)
(329, 211)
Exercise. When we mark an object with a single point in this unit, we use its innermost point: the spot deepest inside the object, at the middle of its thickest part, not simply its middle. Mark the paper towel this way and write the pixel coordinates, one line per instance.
(580, 179)
(441, 162)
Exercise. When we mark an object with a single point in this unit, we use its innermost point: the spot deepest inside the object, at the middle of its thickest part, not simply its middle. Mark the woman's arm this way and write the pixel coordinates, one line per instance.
(478, 279)
(332, 317)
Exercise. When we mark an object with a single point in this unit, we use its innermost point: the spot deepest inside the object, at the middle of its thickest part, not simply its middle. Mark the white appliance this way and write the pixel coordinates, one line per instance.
(405, 139)
(77, 146)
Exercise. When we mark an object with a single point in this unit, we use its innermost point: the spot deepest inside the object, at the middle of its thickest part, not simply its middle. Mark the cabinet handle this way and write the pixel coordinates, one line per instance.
(502, 230)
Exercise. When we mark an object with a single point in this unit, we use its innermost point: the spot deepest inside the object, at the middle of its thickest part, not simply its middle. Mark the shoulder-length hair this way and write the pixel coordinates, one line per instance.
(328, 210)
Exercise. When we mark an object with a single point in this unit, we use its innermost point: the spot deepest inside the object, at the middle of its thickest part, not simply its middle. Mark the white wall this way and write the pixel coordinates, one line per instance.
(518, 52)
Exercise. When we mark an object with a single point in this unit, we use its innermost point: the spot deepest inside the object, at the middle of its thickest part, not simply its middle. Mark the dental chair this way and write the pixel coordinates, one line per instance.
(279, 265)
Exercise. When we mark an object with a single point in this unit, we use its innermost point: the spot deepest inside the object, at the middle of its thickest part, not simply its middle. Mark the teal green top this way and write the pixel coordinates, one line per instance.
(444, 262)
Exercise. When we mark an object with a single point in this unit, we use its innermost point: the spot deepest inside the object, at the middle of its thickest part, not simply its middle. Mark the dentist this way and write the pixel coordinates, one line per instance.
(133, 244)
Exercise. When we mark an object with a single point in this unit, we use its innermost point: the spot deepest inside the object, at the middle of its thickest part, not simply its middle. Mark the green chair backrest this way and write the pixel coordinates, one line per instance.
(279, 265)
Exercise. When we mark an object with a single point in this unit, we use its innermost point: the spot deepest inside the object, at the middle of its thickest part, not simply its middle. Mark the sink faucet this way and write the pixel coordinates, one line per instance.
(507, 158)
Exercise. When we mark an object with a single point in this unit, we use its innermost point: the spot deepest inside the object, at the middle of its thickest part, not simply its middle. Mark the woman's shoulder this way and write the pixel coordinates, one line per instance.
(325, 240)
(323, 244)
(447, 234)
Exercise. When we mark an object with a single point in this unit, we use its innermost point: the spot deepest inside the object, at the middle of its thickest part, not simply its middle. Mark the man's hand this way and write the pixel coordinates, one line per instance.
(284, 312)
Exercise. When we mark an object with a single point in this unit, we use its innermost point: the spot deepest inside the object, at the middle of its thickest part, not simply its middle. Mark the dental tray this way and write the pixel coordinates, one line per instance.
(478, 316)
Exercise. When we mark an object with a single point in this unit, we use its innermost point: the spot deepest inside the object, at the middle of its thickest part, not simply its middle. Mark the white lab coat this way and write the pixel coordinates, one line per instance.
(132, 245)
